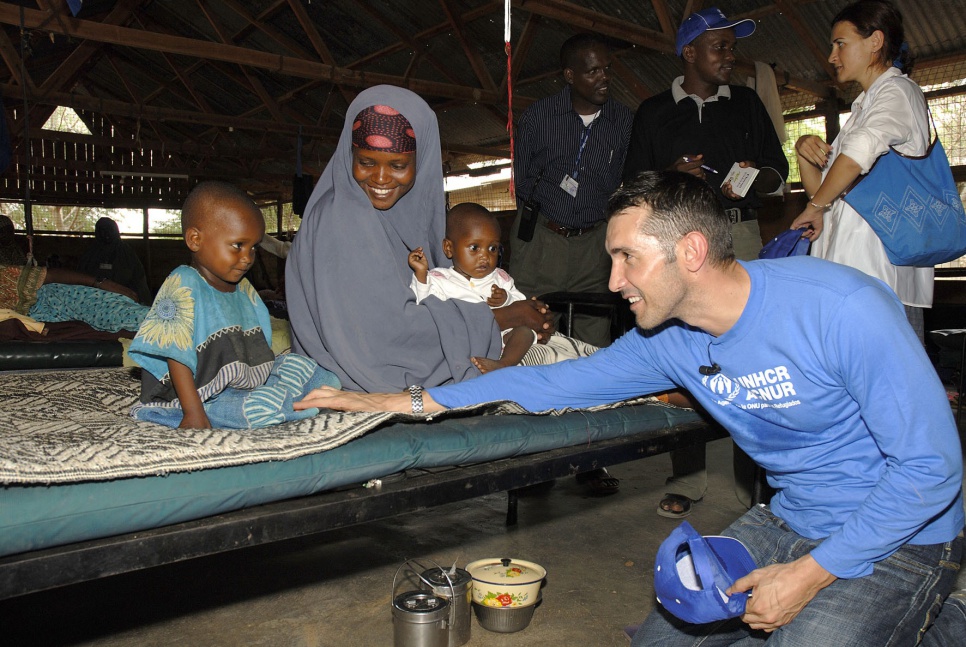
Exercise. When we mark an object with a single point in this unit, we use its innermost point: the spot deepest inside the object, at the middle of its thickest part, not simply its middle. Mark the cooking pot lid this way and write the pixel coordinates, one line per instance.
(438, 578)
(506, 571)
(422, 603)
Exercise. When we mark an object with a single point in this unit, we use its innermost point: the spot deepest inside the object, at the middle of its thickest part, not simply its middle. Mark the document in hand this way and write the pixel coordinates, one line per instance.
(740, 178)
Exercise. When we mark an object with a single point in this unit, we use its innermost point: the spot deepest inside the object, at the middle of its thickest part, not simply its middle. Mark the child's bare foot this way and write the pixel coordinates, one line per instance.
(486, 364)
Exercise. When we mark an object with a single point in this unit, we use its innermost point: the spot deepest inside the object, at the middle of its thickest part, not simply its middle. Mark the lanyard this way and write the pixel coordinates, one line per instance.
(580, 149)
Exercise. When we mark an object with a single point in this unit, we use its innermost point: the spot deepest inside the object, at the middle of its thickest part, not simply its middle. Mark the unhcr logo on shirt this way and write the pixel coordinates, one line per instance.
(768, 385)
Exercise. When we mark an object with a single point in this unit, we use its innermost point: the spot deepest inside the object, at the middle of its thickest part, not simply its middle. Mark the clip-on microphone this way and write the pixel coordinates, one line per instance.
(714, 369)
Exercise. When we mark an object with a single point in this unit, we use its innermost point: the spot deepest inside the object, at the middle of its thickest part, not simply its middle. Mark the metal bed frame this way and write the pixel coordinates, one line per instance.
(415, 490)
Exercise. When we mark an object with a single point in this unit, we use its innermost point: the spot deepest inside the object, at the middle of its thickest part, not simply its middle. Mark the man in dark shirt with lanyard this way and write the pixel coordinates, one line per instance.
(570, 151)
(702, 126)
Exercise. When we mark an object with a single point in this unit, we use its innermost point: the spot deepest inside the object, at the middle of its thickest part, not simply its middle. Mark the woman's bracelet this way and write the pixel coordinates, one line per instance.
(416, 397)
(97, 282)
(823, 207)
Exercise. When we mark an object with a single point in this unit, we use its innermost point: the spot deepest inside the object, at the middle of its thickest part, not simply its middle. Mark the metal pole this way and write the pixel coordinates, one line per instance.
(27, 212)
(147, 246)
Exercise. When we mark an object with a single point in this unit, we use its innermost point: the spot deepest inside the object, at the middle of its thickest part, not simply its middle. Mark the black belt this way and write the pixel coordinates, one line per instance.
(741, 214)
(568, 232)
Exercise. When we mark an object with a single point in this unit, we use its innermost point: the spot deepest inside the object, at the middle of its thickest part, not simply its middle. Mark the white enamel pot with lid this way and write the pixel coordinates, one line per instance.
(506, 582)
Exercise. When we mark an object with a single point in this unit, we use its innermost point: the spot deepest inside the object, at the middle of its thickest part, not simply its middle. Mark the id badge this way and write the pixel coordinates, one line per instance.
(569, 185)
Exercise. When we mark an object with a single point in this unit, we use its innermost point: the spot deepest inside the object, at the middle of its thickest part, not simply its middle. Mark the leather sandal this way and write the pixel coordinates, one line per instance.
(664, 508)
(599, 482)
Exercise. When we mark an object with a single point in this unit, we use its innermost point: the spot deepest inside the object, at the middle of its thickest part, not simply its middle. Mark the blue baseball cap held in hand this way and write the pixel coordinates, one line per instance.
(709, 19)
(787, 243)
(692, 573)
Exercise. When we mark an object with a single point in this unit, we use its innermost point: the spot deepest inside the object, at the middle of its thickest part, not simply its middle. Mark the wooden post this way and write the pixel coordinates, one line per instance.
(831, 108)
(145, 221)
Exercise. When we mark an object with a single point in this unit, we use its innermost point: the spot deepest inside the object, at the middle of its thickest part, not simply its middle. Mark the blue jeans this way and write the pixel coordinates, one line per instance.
(949, 630)
(892, 606)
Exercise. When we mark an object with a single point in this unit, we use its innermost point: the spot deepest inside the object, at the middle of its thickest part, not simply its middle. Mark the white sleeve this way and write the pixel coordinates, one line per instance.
(513, 295)
(421, 290)
(890, 120)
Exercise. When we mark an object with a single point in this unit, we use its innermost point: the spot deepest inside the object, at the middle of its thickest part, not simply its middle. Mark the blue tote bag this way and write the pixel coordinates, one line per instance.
(913, 206)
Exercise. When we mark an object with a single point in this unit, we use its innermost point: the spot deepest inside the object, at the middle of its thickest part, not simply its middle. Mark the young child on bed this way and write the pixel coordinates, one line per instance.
(473, 244)
(205, 345)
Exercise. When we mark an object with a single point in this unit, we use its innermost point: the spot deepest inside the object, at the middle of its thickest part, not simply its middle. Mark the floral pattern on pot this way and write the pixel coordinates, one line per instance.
(504, 582)
(492, 599)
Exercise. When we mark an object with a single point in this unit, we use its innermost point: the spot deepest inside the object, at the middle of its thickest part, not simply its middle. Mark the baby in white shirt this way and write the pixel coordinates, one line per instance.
(473, 243)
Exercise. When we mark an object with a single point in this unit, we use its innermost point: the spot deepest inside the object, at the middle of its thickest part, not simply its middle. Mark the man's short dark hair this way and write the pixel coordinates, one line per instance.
(194, 210)
(679, 203)
(576, 44)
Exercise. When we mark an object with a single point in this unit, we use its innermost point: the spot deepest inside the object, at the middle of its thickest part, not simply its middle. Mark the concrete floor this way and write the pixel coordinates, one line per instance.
(335, 589)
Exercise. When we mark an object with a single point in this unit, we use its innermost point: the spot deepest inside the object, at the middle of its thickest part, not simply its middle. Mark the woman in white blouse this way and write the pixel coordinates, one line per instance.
(868, 48)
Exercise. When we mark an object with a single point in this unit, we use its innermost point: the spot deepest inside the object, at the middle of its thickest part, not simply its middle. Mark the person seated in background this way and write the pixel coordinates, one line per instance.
(274, 296)
(53, 295)
(109, 257)
(473, 244)
(275, 246)
(11, 253)
(205, 345)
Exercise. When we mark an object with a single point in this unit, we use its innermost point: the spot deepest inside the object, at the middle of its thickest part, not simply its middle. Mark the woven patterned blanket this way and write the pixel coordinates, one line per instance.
(67, 426)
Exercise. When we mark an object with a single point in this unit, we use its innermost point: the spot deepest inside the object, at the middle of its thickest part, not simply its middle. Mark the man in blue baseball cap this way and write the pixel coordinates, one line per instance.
(703, 126)
(710, 19)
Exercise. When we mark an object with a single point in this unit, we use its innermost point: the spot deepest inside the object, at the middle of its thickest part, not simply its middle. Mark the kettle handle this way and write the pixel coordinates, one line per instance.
(418, 574)
(452, 589)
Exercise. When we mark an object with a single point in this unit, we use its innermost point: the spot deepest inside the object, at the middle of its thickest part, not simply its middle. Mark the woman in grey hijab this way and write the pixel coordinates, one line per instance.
(347, 276)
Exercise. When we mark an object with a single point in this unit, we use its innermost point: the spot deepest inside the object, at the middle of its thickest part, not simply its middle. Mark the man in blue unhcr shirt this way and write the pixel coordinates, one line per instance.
(815, 372)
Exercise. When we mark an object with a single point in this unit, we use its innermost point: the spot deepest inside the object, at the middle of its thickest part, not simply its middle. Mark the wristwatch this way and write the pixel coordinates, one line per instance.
(416, 396)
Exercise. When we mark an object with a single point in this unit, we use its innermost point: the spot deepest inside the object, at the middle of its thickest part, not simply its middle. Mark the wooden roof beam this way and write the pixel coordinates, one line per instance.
(664, 18)
(435, 30)
(522, 48)
(630, 79)
(110, 106)
(253, 83)
(260, 23)
(316, 39)
(11, 56)
(594, 21)
(164, 84)
(286, 65)
(407, 41)
(122, 78)
(471, 52)
(690, 7)
(198, 99)
(790, 11)
(64, 77)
